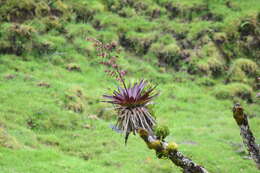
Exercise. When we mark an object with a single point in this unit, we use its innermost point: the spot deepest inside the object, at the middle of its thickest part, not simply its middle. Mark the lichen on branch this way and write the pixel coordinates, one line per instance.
(170, 151)
(246, 133)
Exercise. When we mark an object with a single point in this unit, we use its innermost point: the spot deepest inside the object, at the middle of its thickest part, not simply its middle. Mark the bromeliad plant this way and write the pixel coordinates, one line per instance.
(131, 105)
(131, 102)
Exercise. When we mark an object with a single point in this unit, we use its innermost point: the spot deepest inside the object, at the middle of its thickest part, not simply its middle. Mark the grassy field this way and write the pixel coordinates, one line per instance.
(202, 54)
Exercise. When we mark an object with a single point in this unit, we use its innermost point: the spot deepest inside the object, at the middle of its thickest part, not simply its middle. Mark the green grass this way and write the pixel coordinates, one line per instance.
(52, 118)
(201, 125)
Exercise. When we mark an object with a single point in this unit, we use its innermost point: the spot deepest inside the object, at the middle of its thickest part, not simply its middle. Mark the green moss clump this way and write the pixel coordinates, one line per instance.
(249, 24)
(155, 145)
(86, 10)
(216, 66)
(127, 12)
(167, 53)
(16, 38)
(138, 7)
(242, 69)
(21, 11)
(220, 37)
(161, 131)
(42, 9)
(138, 42)
(172, 146)
(189, 10)
(200, 67)
(208, 61)
(233, 90)
(16, 10)
(212, 66)
(242, 31)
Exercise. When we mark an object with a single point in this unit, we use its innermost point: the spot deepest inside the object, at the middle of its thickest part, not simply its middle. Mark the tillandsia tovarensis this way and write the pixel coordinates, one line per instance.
(130, 102)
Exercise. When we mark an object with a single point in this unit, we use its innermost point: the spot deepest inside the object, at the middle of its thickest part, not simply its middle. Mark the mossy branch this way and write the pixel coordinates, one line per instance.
(169, 150)
(246, 133)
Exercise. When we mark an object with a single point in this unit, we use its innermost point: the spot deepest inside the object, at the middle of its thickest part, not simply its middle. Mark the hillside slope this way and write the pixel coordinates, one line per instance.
(203, 54)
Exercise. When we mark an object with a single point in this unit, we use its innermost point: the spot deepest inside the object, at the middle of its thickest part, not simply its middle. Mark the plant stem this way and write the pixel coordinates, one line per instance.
(122, 80)
(246, 133)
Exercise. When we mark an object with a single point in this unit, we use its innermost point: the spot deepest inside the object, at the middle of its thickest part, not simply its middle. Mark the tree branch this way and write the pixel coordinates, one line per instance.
(246, 133)
(169, 150)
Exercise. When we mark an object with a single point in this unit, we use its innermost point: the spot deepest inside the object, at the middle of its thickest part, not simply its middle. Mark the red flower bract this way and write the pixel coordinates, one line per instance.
(131, 105)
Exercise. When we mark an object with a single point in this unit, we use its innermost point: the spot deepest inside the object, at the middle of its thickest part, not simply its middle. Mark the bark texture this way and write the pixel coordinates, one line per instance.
(246, 133)
(169, 150)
